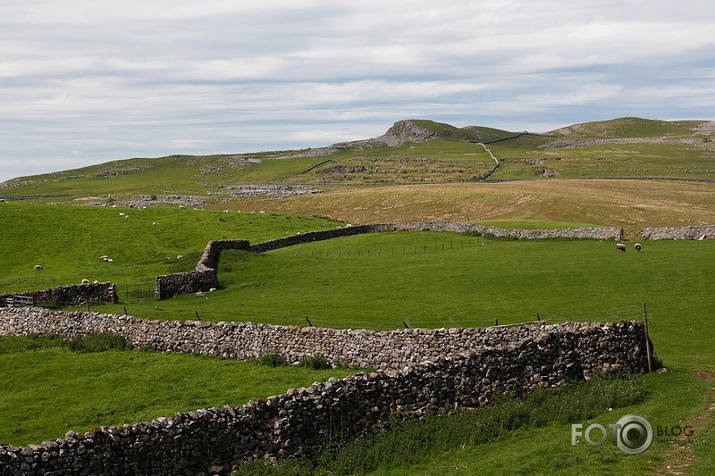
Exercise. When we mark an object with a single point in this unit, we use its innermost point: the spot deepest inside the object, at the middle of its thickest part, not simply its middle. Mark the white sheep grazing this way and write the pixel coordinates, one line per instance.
(637, 247)
(38, 267)
(85, 281)
(104, 258)
(620, 247)
(122, 214)
(179, 256)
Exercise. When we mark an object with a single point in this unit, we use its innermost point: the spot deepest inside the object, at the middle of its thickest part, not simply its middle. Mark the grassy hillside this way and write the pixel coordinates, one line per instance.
(436, 153)
(628, 127)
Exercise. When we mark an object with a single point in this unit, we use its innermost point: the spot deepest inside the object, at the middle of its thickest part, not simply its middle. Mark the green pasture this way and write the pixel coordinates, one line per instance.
(47, 389)
(433, 279)
(69, 240)
(378, 281)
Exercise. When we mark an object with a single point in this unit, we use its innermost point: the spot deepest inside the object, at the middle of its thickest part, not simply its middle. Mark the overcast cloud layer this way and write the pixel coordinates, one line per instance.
(86, 82)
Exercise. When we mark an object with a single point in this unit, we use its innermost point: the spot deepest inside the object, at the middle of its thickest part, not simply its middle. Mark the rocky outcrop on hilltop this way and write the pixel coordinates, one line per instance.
(405, 131)
(400, 133)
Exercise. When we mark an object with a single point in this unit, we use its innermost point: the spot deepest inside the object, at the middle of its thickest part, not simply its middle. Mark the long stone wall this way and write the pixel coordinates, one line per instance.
(599, 233)
(479, 364)
(695, 232)
(73, 295)
(238, 340)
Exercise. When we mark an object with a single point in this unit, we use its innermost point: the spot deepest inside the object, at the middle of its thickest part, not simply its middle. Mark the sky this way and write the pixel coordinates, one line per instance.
(90, 81)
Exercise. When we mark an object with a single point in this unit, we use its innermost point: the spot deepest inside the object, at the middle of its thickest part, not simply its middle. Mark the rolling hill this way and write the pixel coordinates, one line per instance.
(627, 172)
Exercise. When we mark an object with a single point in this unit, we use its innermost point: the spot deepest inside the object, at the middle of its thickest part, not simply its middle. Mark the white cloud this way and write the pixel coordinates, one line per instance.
(89, 81)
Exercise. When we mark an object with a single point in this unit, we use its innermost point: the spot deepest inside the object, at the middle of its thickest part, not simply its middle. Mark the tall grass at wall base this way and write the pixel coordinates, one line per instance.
(410, 442)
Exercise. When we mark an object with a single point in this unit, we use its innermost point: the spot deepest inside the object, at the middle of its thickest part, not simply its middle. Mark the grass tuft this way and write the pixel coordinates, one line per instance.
(315, 362)
(273, 359)
(97, 342)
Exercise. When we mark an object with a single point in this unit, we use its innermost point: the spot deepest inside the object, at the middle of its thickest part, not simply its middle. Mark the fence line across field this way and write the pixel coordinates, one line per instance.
(136, 292)
(393, 251)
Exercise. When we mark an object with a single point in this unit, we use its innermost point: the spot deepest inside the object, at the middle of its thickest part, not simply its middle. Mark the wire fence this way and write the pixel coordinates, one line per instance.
(136, 292)
(476, 319)
(403, 250)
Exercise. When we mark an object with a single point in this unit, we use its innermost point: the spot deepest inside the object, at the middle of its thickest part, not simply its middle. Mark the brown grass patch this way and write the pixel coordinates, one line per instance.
(630, 204)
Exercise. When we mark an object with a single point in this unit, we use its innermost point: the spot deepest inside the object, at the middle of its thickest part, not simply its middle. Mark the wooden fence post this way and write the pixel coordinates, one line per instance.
(647, 340)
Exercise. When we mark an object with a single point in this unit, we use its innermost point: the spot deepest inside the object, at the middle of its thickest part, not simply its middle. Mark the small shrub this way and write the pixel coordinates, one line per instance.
(274, 359)
(315, 362)
(97, 342)
(15, 344)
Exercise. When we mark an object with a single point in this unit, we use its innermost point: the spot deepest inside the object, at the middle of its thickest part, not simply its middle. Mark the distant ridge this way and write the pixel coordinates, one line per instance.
(410, 151)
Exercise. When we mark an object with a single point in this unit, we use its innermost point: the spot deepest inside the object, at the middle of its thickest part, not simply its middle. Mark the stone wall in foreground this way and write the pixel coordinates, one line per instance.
(456, 368)
(238, 340)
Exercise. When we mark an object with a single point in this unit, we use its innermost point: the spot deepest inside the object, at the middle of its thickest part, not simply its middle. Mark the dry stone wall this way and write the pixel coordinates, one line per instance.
(599, 233)
(479, 364)
(204, 277)
(238, 340)
(73, 295)
(679, 233)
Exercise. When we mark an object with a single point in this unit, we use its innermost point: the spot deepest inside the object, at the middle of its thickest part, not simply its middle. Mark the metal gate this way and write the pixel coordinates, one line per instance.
(136, 292)
(19, 300)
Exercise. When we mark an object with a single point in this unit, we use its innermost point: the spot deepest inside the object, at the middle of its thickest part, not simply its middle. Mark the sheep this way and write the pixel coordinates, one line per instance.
(38, 267)
(620, 247)
(179, 256)
(85, 281)
(637, 246)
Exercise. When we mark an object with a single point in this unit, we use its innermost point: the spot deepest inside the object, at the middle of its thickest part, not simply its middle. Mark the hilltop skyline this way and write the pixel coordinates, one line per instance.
(89, 82)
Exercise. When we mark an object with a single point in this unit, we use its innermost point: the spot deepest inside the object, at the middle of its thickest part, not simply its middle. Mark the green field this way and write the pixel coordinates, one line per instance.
(69, 240)
(47, 389)
(423, 279)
